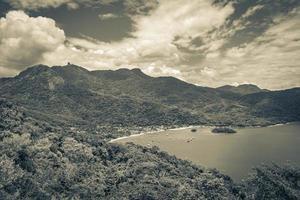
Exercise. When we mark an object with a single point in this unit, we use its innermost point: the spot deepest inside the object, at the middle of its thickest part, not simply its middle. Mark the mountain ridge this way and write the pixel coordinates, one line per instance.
(137, 71)
(126, 96)
(243, 89)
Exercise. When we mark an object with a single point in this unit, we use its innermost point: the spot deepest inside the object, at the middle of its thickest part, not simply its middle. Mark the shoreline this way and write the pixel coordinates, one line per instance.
(185, 127)
(280, 124)
(154, 131)
(137, 134)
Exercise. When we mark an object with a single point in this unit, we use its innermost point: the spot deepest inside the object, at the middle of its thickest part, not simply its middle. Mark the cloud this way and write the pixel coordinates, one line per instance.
(38, 4)
(42, 4)
(155, 70)
(155, 34)
(251, 11)
(200, 42)
(24, 40)
(271, 60)
(108, 16)
(140, 7)
(6, 72)
(152, 41)
(132, 7)
(208, 72)
(243, 22)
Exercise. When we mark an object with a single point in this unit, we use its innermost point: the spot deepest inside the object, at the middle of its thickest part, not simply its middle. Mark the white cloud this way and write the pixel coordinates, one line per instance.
(251, 11)
(270, 61)
(152, 42)
(206, 71)
(108, 16)
(155, 70)
(24, 40)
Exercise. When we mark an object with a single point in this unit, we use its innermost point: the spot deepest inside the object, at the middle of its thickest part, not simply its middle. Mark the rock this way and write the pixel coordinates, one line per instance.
(223, 130)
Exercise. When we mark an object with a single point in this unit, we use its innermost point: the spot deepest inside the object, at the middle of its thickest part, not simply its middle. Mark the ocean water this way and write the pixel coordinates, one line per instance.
(232, 154)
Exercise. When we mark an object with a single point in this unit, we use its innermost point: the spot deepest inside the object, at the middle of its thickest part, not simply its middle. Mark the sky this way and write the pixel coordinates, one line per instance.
(204, 42)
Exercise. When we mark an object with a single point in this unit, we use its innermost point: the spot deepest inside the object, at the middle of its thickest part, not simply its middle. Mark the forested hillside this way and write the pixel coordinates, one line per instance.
(40, 161)
(74, 95)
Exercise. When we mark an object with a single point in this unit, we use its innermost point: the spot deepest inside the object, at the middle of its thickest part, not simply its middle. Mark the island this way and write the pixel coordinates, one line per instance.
(223, 130)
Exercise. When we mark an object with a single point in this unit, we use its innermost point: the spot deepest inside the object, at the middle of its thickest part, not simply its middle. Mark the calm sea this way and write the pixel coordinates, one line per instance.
(232, 154)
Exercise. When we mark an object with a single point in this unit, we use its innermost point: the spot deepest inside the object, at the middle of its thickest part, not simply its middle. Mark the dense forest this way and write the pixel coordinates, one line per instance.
(41, 161)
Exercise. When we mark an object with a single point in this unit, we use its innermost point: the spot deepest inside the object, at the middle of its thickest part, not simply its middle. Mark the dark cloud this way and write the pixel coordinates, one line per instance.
(140, 7)
(131, 7)
(257, 23)
(249, 20)
(87, 17)
(86, 21)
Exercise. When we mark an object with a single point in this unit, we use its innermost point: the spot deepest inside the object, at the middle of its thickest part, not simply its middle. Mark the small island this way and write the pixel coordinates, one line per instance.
(223, 130)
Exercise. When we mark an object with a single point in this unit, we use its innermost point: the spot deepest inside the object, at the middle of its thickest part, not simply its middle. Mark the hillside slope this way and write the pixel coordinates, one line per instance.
(242, 89)
(42, 162)
(124, 97)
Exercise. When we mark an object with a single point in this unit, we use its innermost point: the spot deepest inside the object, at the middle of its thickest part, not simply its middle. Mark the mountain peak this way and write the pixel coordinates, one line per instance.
(242, 89)
(34, 70)
(120, 74)
(248, 86)
(73, 66)
(70, 67)
(137, 71)
(126, 70)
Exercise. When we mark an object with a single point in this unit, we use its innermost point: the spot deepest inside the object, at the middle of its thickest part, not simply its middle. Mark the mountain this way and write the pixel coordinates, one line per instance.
(242, 89)
(73, 95)
(46, 151)
(14, 119)
(283, 104)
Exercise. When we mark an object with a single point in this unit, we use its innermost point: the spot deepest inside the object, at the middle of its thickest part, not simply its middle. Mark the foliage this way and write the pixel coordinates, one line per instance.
(274, 182)
(75, 164)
